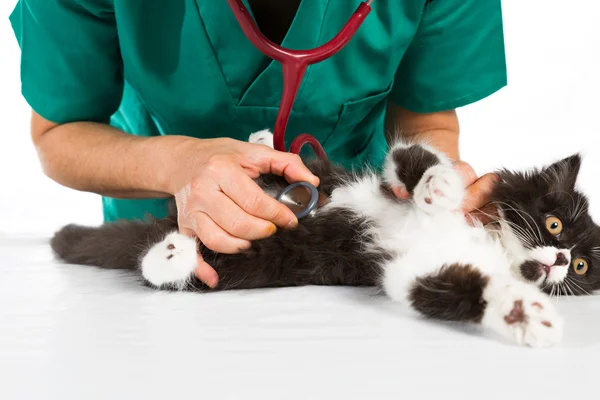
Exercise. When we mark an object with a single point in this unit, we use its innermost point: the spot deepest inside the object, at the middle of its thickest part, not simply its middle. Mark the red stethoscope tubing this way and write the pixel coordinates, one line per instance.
(294, 64)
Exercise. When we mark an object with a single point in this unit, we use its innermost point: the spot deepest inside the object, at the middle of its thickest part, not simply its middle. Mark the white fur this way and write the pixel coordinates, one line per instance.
(443, 187)
(425, 233)
(171, 261)
(262, 137)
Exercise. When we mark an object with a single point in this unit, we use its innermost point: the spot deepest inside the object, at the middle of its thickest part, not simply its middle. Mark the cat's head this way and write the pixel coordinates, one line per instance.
(547, 230)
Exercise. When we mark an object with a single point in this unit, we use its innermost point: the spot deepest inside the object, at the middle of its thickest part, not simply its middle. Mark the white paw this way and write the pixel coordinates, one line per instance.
(440, 189)
(262, 137)
(171, 261)
(521, 313)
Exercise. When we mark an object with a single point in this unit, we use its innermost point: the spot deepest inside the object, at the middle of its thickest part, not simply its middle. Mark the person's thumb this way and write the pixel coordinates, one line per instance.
(203, 270)
(206, 273)
(466, 172)
(479, 193)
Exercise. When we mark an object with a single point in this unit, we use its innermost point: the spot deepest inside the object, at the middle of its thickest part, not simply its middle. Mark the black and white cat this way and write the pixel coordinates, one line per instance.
(421, 252)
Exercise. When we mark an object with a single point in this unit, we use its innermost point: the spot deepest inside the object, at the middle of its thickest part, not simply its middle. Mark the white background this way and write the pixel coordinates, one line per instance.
(549, 109)
(76, 332)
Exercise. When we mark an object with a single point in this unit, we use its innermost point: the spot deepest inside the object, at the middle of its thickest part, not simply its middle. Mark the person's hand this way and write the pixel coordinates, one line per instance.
(219, 203)
(477, 199)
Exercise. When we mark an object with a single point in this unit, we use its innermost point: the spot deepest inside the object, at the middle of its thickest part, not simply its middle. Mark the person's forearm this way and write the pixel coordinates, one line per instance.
(98, 158)
(441, 129)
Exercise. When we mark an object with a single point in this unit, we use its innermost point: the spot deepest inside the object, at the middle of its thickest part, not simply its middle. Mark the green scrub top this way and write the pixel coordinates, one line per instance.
(184, 67)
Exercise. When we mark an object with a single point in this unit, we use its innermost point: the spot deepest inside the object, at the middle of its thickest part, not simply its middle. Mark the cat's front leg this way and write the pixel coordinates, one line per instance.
(440, 189)
(171, 262)
(426, 175)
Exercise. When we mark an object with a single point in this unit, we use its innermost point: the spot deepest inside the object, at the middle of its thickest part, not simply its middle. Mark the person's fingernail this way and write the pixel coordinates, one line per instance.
(400, 192)
(272, 229)
(292, 224)
(212, 282)
(246, 246)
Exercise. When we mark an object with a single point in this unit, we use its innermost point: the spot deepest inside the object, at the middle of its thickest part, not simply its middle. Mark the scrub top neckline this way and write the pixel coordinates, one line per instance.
(231, 47)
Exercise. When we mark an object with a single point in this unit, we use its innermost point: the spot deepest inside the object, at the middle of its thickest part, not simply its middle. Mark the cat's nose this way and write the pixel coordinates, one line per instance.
(561, 259)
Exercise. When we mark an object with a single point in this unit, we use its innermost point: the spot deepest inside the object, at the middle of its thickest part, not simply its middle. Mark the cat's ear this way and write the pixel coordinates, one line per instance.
(563, 174)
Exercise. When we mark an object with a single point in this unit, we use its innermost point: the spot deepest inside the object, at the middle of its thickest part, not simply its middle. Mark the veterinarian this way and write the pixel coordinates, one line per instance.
(139, 101)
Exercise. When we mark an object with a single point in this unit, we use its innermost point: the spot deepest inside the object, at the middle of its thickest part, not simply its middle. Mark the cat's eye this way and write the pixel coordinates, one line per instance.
(580, 266)
(554, 225)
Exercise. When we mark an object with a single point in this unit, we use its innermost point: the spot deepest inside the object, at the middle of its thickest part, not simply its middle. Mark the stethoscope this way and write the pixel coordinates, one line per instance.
(302, 197)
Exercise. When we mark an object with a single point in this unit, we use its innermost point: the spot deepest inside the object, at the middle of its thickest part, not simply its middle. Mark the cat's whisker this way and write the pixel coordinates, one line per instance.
(551, 291)
(520, 214)
(564, 288)
(544, 288)
(573, 281)
(560, 290)
(557, 293)
(580, 208)
(526, 237)
(569, 288)
(518, 231)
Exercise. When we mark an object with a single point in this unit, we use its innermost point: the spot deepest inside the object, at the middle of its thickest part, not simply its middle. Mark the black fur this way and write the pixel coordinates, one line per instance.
(327, 250)
(411, 164)
(116, 245)
(455, 293)
(531, 270)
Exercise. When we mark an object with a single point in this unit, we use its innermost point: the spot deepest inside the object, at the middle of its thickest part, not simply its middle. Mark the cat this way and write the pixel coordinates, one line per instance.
(421, 252)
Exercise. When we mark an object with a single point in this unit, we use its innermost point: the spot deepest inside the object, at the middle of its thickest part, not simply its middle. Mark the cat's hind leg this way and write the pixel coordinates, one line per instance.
(463, 293)
(520, 312)
(171, 262)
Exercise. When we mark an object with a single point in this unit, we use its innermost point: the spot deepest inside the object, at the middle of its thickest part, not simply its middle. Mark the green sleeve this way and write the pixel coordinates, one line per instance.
(456, 57)
(71, 68)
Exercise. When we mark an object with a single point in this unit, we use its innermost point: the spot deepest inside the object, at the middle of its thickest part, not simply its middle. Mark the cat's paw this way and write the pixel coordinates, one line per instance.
(262, 137)
(521, 313)
(170, 262)
(440, 189)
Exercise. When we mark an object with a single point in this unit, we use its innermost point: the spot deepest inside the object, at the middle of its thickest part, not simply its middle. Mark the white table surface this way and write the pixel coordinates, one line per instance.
(74, 332)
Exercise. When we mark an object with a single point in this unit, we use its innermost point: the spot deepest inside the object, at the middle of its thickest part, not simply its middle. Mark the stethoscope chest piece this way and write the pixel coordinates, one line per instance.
(300, 197)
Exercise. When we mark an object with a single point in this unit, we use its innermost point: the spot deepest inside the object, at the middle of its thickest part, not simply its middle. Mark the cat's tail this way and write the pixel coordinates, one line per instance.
(117, 245)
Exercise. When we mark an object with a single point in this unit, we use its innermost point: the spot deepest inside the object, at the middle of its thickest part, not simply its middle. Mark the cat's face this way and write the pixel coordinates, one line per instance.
(547, 230)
